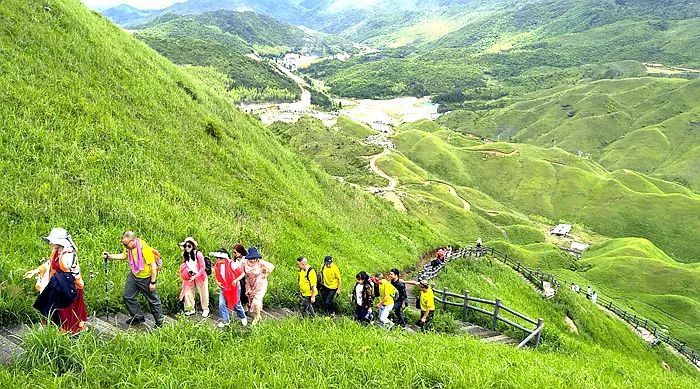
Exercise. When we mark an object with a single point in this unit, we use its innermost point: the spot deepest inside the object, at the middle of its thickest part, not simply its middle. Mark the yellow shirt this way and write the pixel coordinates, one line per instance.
(148, 259)
(331, 276)
(427, 300)
(386, 289)
(306, 284)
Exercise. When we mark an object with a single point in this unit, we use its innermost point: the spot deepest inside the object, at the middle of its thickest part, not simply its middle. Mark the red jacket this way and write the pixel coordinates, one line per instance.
(232, 270)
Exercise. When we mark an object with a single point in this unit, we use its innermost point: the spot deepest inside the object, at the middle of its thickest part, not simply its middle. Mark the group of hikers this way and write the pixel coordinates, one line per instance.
(590, 294)
(241, 277)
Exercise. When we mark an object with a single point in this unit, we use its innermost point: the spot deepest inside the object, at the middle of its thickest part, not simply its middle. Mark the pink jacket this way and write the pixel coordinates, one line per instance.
(200, 276)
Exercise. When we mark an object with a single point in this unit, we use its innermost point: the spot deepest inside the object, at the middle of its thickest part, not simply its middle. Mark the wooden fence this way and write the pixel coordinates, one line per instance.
(538, 277)
(469, 303)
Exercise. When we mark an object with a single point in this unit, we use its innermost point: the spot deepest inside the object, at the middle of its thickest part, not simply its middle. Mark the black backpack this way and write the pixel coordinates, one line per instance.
(207, 265)
(318, 278)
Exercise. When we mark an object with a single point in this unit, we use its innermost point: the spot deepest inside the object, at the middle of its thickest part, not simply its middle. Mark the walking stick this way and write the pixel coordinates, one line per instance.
(106, 289)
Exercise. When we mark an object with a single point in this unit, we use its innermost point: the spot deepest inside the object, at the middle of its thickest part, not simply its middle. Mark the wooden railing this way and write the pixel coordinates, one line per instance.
(538, 277)
(468, 303)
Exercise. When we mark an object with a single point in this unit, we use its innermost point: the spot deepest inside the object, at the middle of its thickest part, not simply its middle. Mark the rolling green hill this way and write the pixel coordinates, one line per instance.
(103, 135)
(190, 41)
(643, 124)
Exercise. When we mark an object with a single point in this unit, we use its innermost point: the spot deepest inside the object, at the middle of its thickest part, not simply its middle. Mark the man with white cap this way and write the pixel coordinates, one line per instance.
(141, 279)
(63, 260)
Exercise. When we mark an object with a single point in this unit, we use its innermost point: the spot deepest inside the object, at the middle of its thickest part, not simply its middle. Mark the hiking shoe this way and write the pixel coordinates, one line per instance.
(205, 313)
(189, 313)
(244, 321)
(135, 320)
(222, 324)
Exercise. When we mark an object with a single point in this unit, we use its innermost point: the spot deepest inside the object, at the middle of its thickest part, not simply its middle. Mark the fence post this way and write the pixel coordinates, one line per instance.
(518, 268)
(610, 305)
(465, 307)
(505, 259)
(492, 252)
(540, 322)
(444, 299)
(495, 314)
(624, 315)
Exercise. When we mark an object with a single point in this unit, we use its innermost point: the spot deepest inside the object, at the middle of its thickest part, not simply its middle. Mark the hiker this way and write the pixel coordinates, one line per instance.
(594, 297)
(361, 297)
(141, 279)
(427, 304)
(479, 248)
(573, 287)
(228, 273)
(256, 271)
(193, 272)
(440, 254)
(588, 292)
(402, 297)
(307, 286)
(60, 284)
(239, 253)
(386, 299)
(478, 243)
(331, 285)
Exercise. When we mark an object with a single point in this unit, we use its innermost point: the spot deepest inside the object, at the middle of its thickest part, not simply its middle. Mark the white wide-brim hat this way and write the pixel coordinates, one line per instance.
(60, 237)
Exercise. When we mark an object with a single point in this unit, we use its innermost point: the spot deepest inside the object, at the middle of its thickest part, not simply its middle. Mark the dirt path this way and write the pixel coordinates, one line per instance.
(373, 165)
(453, 192)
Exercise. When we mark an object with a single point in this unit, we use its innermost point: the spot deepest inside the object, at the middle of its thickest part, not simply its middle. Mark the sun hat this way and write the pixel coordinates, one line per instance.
(253, 253)
(60, 237)
(220, 253)
(190, 240)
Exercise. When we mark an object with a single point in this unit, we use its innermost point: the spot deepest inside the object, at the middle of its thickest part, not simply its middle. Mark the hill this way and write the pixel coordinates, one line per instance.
(643, 124)
(136, 143)
(190, 41)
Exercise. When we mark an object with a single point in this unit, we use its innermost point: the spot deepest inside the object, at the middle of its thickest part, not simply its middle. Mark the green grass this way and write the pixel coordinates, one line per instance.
(103, 135)
(644, 124)
(595, 329)
(288, 352)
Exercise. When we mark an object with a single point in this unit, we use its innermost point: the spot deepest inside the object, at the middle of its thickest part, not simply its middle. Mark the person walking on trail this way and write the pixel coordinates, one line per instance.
(256, 271)
(362, 297)
(228, 273)
(386, 299)
(331, 285)
(141, 278)
(594, 297)
(588, 292)
(239, 253)
(307, 286)
(426, 303)
(60, 284)
(402, 296)
(194, 276)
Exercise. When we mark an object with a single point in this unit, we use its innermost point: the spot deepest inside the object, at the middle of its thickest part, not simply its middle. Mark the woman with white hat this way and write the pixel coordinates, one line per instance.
(63, 259)
(193, 274)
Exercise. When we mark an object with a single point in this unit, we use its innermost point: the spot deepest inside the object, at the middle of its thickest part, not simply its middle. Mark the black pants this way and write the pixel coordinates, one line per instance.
(428, 320)
(361, 314)
(398, 312)
(329, 300)
(307, 309)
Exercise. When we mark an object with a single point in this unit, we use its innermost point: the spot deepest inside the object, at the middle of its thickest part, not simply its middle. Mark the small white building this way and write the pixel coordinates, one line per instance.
(561, 230)
(579, 247)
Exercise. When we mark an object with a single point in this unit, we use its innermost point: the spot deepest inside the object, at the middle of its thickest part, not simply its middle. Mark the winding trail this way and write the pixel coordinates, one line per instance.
(453, 192)
(373, 165)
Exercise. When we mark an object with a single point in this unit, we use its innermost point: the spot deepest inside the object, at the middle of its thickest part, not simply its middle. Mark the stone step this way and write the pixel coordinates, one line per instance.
(479, 331)
(102, 327)
(15, 333)
(504, 339)
(9, 351)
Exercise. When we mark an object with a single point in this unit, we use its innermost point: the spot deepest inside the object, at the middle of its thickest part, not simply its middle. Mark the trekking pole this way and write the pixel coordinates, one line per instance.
(106, 289)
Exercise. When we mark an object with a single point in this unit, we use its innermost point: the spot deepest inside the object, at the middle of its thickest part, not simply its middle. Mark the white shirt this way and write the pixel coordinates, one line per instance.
(358, 293)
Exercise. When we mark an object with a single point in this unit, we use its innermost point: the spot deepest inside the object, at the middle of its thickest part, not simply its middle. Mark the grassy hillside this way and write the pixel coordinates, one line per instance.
(559, 186)
(190, 41)
(102, 135)
(335, 149)
(594, 329)
(361, 355)
(644, 124)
